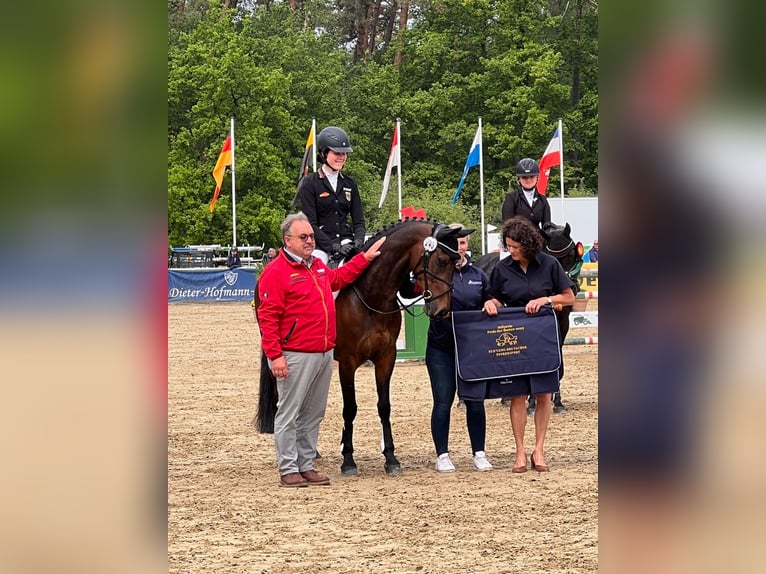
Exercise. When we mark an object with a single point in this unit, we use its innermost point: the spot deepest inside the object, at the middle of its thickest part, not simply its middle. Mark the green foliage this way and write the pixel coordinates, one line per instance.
(519, 64)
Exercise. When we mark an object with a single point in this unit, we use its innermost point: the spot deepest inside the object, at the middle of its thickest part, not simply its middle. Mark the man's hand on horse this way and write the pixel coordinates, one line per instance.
(374, 249)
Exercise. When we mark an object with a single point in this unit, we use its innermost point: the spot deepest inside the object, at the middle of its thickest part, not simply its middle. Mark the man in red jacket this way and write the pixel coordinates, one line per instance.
(296, 317)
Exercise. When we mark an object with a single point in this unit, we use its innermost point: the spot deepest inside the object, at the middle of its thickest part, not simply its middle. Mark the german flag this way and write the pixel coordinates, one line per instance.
(220, 167)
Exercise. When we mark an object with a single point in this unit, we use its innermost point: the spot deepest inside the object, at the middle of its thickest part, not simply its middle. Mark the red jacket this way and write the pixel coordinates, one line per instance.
(297, 309)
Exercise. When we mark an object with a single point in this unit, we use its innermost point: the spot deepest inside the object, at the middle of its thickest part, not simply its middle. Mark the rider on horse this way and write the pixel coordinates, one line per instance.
(526, 200)
(328, 197)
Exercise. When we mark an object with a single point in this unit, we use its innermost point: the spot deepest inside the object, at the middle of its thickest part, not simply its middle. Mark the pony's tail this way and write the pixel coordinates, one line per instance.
(267, 399)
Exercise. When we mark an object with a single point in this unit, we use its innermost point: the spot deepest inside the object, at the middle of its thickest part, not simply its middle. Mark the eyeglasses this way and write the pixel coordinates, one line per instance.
(303, 236)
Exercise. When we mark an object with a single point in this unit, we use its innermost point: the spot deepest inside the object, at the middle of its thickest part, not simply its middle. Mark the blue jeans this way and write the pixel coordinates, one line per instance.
(441, 371)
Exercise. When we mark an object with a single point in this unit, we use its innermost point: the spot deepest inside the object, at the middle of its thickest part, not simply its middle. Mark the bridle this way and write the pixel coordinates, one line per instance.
(559, 254)
(430, 244)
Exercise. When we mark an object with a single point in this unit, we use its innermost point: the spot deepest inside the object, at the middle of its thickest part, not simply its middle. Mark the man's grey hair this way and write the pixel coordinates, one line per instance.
(289, 220)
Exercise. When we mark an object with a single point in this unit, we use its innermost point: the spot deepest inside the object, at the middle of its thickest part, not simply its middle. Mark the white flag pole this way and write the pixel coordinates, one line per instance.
(233, 192)
(561, 170)
(399, 162)
(481, 189)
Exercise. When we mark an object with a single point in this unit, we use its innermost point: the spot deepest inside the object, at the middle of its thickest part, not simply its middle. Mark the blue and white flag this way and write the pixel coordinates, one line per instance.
(474, 158)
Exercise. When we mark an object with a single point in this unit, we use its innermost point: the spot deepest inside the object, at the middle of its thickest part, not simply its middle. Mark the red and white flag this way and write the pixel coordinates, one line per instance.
(394, 161)
(551, 157)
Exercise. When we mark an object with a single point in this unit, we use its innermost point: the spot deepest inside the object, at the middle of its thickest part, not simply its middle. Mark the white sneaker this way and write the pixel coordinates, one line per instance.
(480, 461)
(444, 464)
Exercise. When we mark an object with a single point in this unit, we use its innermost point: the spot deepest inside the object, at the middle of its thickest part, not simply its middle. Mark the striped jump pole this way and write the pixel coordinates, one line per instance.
(587, 295)
(581, 341)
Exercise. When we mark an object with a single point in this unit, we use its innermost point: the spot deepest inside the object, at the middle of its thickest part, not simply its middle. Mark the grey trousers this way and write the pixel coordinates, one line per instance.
(300, 409)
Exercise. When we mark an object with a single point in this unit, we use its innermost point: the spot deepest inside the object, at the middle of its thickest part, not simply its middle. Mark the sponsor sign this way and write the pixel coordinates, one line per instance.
(509, 344)
(211, 285)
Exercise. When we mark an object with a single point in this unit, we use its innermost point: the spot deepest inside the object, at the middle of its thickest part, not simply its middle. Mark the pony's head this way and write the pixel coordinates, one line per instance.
(433, 265)
(559, 243)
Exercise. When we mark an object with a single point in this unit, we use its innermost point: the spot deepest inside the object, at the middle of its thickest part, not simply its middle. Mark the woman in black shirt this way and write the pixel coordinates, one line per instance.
(529, 278)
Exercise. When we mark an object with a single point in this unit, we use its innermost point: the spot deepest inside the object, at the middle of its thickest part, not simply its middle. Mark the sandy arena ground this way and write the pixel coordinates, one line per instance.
(227, 514)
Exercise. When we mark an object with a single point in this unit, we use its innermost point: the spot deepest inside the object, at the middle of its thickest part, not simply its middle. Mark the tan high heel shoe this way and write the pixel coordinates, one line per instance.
(520, 469)
(538, 467)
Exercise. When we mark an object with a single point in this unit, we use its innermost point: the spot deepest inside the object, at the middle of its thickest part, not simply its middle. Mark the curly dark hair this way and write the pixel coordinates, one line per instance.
(522, 230)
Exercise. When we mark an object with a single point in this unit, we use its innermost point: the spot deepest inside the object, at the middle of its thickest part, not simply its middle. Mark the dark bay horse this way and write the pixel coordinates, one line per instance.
(557, 241)
(368, 320)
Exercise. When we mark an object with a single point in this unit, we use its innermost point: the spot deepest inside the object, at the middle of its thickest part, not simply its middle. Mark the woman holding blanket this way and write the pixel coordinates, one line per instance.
(528, 278)
(470, 291)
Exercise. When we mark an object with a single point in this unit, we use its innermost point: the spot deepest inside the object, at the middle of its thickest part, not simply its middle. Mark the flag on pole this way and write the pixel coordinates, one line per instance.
(474, 156)
(309, 161)
(220, 167)
(551, 157)
(308, 155)
(394, 161)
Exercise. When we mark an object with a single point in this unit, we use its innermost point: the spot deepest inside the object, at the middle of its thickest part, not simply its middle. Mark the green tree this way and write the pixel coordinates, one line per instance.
(273, 66)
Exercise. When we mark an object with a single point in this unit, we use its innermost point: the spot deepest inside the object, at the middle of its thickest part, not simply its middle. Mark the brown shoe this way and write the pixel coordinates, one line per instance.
(313, 478)
(539, 467)
(292, 480)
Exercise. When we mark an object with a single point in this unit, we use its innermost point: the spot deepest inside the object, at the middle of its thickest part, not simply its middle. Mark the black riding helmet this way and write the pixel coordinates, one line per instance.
(332, 138)
(527, 166)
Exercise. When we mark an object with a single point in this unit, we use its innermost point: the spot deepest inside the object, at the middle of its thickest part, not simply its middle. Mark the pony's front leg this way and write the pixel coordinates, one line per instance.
(383, 380)
(348, 467)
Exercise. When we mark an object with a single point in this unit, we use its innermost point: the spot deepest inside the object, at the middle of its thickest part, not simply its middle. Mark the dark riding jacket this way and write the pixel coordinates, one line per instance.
(516, 204)
(328, 211)
(471, 289)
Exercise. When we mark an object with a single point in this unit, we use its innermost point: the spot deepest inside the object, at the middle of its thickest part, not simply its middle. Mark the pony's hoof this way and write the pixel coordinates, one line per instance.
(560, 409)
(349, 471)
(393, 470)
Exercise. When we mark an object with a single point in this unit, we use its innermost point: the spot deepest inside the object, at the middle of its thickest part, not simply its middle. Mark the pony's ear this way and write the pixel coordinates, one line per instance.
(544, 232)
(567, 230)
(440, 231)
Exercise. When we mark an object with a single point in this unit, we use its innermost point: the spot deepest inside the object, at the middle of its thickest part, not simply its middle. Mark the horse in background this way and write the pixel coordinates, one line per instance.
(557, 241)
(369, 319)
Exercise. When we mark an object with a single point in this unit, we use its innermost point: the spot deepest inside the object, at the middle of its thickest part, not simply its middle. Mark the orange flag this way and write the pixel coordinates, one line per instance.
(220, 167)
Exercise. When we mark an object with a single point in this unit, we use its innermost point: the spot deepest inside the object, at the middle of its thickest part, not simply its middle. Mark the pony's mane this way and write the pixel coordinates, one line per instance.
(393, 226)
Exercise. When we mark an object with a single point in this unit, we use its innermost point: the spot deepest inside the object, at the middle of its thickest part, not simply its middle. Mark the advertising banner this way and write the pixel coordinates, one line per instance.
(211, 285)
